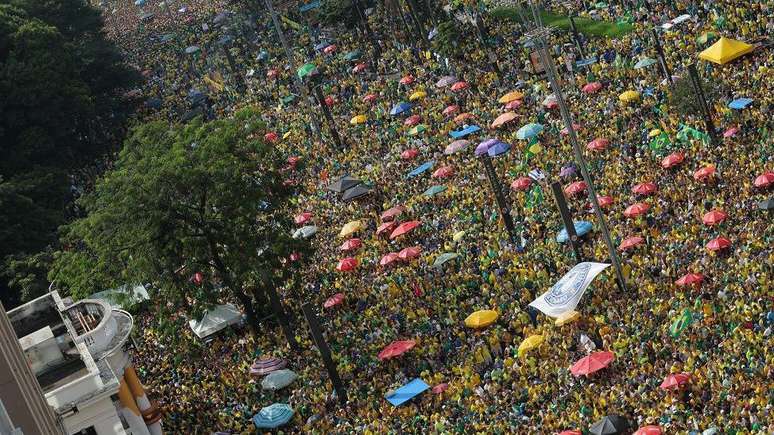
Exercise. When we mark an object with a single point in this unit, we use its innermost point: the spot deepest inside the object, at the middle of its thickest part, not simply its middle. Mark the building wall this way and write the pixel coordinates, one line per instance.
(101, 414)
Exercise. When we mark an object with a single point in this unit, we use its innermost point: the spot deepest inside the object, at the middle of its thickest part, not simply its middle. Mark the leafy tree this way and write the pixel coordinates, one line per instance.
(683, 96)
(339, 12)
(448, 41)
(205, 200)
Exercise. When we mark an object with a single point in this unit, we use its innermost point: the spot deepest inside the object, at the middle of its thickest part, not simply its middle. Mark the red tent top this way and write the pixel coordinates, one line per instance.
(389, 259)
(347, 264)
(672, 160)
(630, 243)
(704, 173)
(351, 245)
(409, 154)
(598, 144)
(396, 348)
(690, 278)
(714, 217)
(386, 227)
(592, 363)
(334, 300)
(404, 228)
(575, 188)
(637, 209)
(302, 218)
(451, 109)
(390, 214)
(412, 120)
(718, 243)
(764, 180)
(407, 79)
(649, 430)
(645, 189)
(460, 86)
(521, 183)
(675, 381)
(443, 172)
(410, 253)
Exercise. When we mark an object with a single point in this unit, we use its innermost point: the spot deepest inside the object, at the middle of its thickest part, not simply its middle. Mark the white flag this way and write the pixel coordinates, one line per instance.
(565, 294)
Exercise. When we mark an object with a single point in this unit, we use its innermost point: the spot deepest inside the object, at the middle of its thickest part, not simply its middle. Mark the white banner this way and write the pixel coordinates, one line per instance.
(565, 294)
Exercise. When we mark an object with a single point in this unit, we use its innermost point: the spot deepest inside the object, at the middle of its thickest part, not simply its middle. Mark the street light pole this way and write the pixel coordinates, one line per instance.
(538, 36)
(705, 107)
(499, 197)
(327, 114)
(661, 58)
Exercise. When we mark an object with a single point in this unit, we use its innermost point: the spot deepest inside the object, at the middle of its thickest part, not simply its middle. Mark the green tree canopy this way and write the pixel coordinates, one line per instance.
(203, 198)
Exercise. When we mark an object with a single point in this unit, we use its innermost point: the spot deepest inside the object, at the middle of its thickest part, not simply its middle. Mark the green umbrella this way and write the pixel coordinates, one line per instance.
(434, 190)
(352, 55)
(445, 257)
(306, 69)
(417, 129)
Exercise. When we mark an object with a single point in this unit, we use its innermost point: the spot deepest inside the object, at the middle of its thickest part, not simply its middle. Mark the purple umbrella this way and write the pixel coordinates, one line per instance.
(483, 147)
(265, 366)
(567, 171)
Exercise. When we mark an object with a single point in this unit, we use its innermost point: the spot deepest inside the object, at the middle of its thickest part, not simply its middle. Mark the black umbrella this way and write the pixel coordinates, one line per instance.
(766, 204)
(343, 184)
(356, 192)
(610, 425)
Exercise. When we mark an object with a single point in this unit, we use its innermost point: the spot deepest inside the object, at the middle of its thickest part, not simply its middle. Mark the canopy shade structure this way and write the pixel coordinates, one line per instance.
(725, 50)
(123, 297)
(214, 320)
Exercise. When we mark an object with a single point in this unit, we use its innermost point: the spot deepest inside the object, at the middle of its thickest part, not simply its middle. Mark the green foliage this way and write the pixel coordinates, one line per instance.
(448, 41)
(587, 26)
(338, 12)
(203, 197)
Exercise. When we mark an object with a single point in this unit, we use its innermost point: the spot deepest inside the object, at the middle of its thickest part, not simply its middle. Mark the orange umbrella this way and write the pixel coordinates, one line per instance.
(689, 279)
(443, 172)
(389, 259)
(714, 217)
(522, 183)
(404, 228)
(704, 173)
(503, 119)
(462, 117)
(718, 244)
(351, 245)
(592, 363)
(386, 227)
(347, 264)
(410, 253)
(672, 160)
(645, 189)
(675, 381)
(334, 300)
(396, 348)
(451, 109)
(598, 144)
(630, 243)
(390, 214)
(637, 209)
(302, 218)
(764, 180)
(459, 86)
(575, 188)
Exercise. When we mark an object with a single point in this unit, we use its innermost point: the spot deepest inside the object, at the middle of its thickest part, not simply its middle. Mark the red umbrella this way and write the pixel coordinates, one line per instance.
(690, 279)
(551, 104)
(521, 183)
(592, 363)
(459, 86)
(704, 173)
(386, 227)
(649, 430)
(272, 73)
(389, 259)
(440, 388)
(515, 104)
(462, 117)
(672, 160)
(675, 381)
(330, 49)
(605, 201)
(412, 120)
(270, 136)
(410, 253)
(718, 243)
(764, 180)
(575, 127)
(451, 109)
(396, 348)
(390, 214)
(443, 172)
(302, 218)
(575, 188)
(571, 432)
(407, 79)
(347, 264)
(404, 228)
(637, 209)
(645, 189)
(359, 68)
(330, 101)
(351, 245)
(334, 300)
(409, 154)
(592, 87)
(714, 217)
(370, 98)
(630, 243)
(598, 144)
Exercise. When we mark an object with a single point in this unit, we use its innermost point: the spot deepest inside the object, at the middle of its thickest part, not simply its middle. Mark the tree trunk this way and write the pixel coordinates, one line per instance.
(279, 312)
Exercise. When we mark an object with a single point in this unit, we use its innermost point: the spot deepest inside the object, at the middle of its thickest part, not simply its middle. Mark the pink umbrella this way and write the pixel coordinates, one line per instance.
(575, 127)
(645, 189)
(575, 188)
(389, 259)
(730, 132)
(605, 201)
(267, 365)
(457, 145)
(672, 160)
(462, 117)
(591, 87)
(302, 218)
(503, 119)
(522, 183)
(451, 109)
(409, 154)
(690, 279)
(407, 80)
(412, 120)
(704, 173)
(630, 243)
(330, 49)
(443, 172)
(459, 86)
(440, 388)
(675, 381)
(390, 214)
(330, 101)
(637, 209)
(351, 245)
(334, 300)
(359, 68)
(649, 430)
(404, 228)
(592, 363)
(410, 253)
(270, 136)
(515, 104)
(597, 144)
(764, 180)
(718, 243)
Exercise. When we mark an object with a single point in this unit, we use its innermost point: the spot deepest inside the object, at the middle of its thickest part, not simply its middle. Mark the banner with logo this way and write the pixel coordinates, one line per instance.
(565, 294)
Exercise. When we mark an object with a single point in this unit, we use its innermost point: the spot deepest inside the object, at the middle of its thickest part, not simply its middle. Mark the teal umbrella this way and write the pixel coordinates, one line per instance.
(444, 258)
(352, 55)
(279, 379)
(644, 63)
(434, 190)
(306, 69)
(273, 416)
(529, 131)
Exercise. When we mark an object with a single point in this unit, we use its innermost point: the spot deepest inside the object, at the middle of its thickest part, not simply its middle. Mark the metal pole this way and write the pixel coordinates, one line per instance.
(548, 65)
(367, 27)
(328, 116)
(576, 37)
(319, 340)
(499, 198)
(661, 59)
(705, 107)
(569, 225)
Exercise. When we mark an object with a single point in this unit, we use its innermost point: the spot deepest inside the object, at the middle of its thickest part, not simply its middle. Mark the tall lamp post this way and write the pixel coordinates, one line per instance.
(497, 189)
(539, 36)
(315, 82)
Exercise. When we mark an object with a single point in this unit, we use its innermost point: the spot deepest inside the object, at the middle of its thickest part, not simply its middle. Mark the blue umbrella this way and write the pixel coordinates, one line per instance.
(581, 228)
(464, 132)
(400, 108)
(498, 149)
(529, 131)
(273, 416)
(407, 392)
(139, 2)
(740, 103)
(421, 168)
(483, 147)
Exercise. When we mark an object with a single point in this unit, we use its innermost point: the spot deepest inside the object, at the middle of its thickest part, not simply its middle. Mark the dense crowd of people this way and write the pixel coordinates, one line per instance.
(725, 348)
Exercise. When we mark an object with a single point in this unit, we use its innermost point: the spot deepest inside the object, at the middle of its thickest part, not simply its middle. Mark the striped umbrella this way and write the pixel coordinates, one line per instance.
(273, 416)
(267, 365)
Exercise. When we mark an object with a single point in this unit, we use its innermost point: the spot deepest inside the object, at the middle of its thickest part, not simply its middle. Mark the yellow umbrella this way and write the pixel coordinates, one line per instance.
(655, 132)
(458, 236)
(359, 119)
(725, 50)
(510, 96)
(504, 118)
(529, 343)
(481, 319)
(567, 317)
(629, 96)
(350, 228)
(418, 95)
(286, 135)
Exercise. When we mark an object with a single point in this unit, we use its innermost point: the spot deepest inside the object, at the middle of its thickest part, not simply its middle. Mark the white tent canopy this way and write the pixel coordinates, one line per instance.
(219, 317)
(123, 297)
